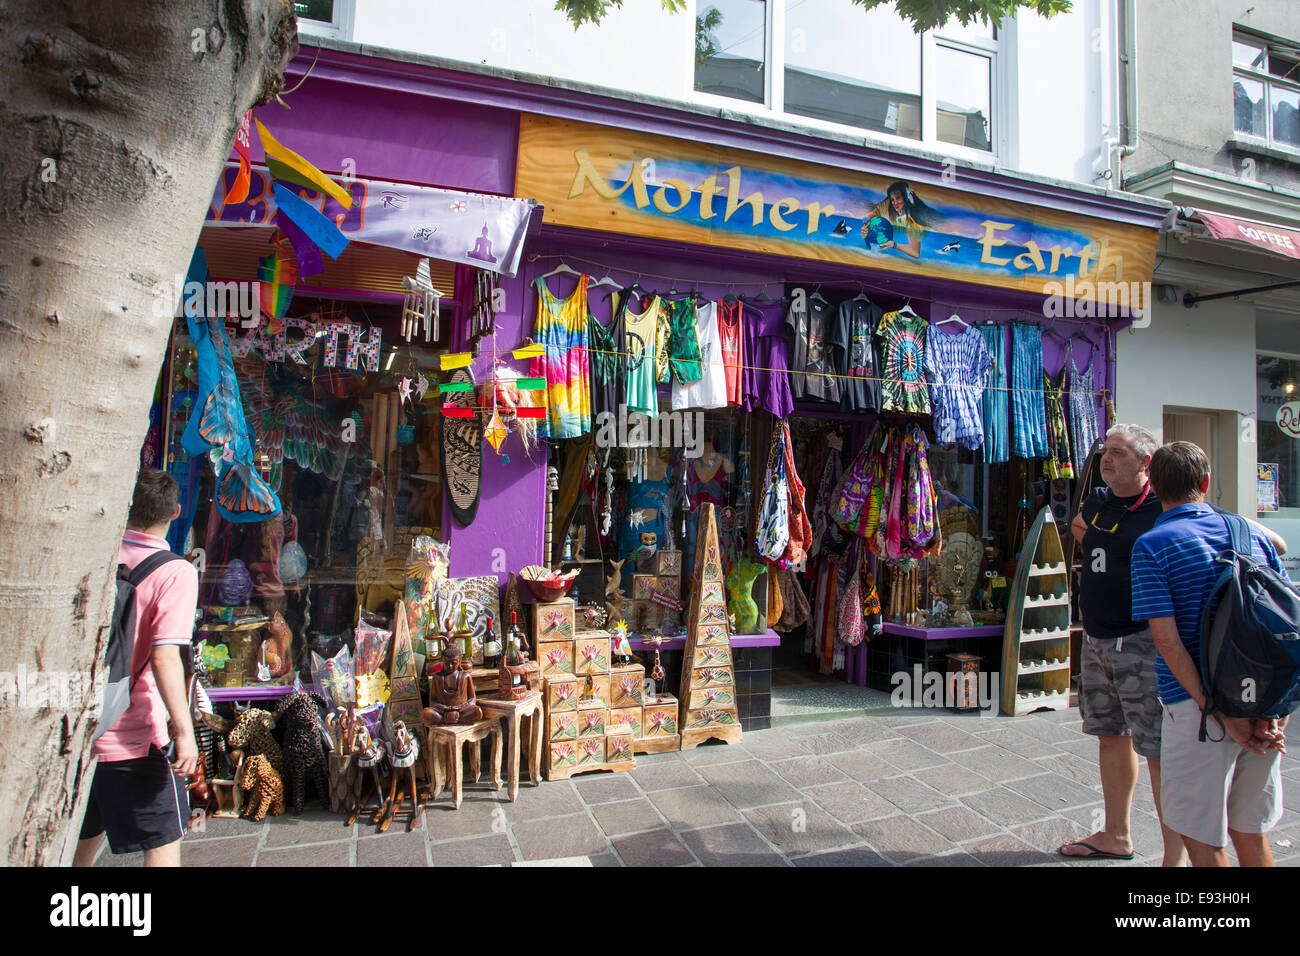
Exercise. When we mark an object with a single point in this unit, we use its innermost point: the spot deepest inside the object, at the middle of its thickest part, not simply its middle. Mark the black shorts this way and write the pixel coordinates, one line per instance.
(141, 804)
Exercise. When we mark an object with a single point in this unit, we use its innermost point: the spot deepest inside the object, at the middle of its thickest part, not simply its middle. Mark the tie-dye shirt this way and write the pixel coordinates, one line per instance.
(562, 329)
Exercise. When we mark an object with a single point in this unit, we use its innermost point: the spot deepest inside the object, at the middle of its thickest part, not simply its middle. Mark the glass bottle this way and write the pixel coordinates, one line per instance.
(466, 638)
(491, 645)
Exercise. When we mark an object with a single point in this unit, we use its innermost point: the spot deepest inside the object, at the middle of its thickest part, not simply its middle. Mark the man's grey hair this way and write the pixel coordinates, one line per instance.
(1139, 439)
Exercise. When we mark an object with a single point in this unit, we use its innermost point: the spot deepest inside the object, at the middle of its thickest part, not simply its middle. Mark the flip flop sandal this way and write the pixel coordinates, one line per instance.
(1094, 854)
(462, 454)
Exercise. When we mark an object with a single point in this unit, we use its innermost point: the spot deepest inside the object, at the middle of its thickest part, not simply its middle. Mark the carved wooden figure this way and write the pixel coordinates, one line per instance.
(403, 752)
(451, 692)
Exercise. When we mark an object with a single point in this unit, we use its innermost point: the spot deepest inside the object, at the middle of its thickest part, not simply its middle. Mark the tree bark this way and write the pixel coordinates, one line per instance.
(117, 119)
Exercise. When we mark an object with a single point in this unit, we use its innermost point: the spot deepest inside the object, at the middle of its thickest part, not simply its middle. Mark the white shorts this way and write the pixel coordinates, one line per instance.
(1207, 788)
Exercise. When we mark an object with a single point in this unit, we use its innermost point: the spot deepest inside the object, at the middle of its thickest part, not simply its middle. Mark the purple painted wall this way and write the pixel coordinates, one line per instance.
(507, 533)
(396, 136)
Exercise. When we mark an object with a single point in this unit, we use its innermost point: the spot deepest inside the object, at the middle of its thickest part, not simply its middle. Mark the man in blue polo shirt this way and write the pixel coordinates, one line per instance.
(1213, 789)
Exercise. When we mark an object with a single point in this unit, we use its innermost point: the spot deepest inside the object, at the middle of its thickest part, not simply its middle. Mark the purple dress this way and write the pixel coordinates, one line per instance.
(766, 381)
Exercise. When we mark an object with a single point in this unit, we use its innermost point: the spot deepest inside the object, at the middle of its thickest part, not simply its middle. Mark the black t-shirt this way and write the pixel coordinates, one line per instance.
(1105, 585)
(852, 337)
(812, 367)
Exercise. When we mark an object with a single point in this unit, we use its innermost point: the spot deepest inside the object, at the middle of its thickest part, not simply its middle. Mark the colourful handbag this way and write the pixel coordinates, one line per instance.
(772, 536)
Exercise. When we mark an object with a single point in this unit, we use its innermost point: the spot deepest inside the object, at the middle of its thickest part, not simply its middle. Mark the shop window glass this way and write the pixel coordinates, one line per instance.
(847, 65)
(730, 49)
(1266, 90)
(1278, 385)
(352, 499)
(963, 97)
(322, 10)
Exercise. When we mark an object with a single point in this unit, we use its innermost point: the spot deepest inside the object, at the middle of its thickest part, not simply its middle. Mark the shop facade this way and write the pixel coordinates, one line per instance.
(804, 247)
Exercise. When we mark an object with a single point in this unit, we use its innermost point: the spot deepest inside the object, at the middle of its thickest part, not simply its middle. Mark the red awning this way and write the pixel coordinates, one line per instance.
(1265, 235)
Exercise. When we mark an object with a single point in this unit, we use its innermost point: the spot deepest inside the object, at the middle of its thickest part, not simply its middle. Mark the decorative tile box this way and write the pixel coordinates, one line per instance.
(703, 677)
(668, 562)
(643, 585)
(561, 694)
(553, 621)
(624, 720)
(590, 752)
(625, 685)
(564, 755)
(712, 655)
(593, 691)
(562, 726)
(659, 716)
(618, 750)
(591, 654)
(556, 659)
(711, 634)
(591, 723)
(670, 584)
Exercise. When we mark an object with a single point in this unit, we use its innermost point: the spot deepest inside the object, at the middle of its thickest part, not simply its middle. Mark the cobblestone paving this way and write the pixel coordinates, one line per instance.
(924, 789)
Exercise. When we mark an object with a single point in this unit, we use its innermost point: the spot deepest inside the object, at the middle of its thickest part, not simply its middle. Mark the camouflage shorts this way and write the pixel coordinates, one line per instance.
(1117, 693)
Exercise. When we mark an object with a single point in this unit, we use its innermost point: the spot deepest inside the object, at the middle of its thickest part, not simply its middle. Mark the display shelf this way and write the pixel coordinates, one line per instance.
(1030, 635)
(767, 639)
(1040, 596)
(256, 692)
(1043, 666)
(940, 633)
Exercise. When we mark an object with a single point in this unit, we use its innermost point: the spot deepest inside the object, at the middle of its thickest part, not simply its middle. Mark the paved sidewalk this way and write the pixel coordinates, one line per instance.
(928, 788)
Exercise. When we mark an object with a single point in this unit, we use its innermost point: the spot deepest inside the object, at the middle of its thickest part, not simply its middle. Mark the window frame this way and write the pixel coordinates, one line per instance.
(340, 28)
(999, 51)
(1292, 511)
(1262, 75)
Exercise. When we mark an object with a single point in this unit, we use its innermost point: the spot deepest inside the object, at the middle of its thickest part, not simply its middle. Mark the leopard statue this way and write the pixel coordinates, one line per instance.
(252, 735)
(265, 790)
(304, 747)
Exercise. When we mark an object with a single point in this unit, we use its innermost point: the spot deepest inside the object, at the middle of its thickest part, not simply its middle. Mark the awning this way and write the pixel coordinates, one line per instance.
(1265, 235)
(486, 232)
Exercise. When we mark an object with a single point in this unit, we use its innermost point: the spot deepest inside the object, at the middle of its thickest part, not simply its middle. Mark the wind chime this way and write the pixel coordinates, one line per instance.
(422, 305)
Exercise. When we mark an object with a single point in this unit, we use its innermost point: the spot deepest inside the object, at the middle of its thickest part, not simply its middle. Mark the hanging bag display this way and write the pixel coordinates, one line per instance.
(773, 534)
(800, 529)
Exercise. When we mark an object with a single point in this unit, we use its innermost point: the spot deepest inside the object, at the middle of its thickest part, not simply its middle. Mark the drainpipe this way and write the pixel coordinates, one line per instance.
(1118, 106)
(1126, 20)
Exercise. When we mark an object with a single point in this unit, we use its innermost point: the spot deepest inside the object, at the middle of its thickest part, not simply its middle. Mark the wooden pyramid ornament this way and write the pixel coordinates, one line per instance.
(404, 700)
(708, 691)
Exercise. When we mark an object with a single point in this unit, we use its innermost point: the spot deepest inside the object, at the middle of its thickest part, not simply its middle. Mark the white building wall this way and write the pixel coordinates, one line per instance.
(1057, 73)
(638, 47)
(1051, 69)
(1199, 359)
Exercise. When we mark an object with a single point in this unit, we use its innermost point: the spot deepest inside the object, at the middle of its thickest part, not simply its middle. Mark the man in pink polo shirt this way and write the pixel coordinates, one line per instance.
(135, 796)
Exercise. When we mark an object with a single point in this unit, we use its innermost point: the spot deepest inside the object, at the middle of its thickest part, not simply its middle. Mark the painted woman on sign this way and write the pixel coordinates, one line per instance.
(897, 221)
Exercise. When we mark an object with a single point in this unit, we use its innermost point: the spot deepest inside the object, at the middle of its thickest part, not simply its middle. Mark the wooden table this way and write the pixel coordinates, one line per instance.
(515, 711)
(443, 755)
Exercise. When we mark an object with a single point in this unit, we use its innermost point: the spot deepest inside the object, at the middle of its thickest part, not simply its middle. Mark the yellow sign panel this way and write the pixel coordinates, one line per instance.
(595, 177)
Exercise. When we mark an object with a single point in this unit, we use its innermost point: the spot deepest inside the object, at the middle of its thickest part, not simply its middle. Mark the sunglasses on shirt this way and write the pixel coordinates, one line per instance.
(1114, 516)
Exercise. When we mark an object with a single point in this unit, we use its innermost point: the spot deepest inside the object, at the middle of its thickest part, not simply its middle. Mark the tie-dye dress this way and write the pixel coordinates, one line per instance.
(562, 328)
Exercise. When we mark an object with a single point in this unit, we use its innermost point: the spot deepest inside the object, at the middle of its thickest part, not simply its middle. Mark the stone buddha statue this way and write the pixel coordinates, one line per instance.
(451, 692)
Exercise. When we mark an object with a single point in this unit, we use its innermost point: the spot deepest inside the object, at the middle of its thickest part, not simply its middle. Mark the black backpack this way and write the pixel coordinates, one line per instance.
(1250, 635)
(121, 639)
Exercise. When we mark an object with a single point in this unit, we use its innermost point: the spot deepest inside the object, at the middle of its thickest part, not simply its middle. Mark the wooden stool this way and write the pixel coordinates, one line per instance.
(444, 755)
(515, 711)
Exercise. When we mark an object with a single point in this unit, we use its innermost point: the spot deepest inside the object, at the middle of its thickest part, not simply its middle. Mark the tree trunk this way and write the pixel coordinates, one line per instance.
(117, 119)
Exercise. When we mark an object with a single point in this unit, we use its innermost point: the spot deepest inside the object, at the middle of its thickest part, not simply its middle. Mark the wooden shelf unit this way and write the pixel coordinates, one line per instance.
(1036, 642)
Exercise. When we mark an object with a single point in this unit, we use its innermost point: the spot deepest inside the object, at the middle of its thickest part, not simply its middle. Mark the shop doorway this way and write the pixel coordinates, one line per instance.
(1200, 427)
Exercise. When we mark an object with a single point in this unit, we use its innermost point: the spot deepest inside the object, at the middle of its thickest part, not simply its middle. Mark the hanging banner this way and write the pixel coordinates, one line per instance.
(486, 232)
(601, 178)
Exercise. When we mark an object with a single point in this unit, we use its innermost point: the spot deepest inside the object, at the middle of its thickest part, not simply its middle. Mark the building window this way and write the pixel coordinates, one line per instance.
(833, 62)
(1278, 385)
(327, 18)
(731, 49)
(859, 68)
(1266, 90)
